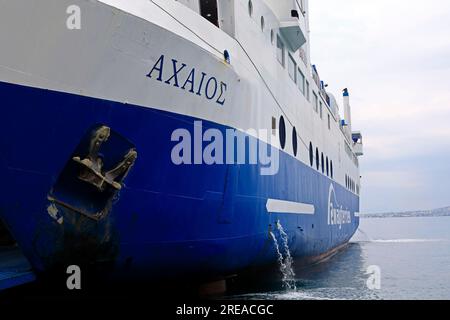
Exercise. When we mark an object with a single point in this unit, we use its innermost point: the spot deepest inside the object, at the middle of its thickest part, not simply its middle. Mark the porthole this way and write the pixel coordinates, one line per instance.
(328, 168)
(317, 159)
(226, 56)
(282, 133)
(250, 8)
(294, 141)
(311, 154)
(263, 23)
(323, 164)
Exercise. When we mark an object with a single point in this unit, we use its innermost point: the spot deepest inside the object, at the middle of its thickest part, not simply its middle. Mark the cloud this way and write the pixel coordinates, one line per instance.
(394, 56)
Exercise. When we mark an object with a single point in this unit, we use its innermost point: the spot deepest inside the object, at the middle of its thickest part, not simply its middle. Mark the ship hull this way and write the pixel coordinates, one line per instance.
(167, 219)
(170, 219)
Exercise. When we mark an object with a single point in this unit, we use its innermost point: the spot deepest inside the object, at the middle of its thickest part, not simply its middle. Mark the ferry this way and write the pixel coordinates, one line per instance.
(164, 138)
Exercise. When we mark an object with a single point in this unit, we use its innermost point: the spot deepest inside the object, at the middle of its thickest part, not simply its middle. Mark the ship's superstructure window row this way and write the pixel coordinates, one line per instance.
(299, 71)
(320, 97)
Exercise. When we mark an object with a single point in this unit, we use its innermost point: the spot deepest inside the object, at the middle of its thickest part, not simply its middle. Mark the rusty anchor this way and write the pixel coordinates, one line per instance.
(92, 166)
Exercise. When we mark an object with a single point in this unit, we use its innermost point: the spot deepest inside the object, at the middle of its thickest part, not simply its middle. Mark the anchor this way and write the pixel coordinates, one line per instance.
(92, 166)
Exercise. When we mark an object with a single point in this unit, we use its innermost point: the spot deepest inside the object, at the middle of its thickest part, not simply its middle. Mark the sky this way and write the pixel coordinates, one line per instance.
(394, 56)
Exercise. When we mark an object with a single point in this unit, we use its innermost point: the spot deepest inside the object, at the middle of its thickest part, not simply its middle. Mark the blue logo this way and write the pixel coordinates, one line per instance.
(337, 216)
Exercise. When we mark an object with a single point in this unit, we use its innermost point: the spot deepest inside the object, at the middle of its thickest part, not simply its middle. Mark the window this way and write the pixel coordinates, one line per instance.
(331, 169)
(301, 81)
(282, 133)
(308, 97)
(323, 164)
(292, 67)
(263, 23)
(294, 141)
(328, 167)
(311, 154)
(208, 10)
(272, 36)
(281, 51)
(329, 122)
(274, 126)
(321, 110)
(250, 8)
(316, 102)
(317, 159)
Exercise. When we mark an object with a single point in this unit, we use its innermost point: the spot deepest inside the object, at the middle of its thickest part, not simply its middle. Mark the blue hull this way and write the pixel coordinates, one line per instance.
(168, 219)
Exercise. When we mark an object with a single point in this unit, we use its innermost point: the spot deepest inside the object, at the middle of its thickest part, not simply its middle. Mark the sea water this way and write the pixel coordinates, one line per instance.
(411, 254)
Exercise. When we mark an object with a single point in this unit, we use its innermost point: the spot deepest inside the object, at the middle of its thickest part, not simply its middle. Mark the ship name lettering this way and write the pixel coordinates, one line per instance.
(176, 73)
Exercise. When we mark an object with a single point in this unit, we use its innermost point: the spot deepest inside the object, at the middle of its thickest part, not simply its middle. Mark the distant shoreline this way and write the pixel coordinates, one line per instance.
(442, 212)
(382, 216)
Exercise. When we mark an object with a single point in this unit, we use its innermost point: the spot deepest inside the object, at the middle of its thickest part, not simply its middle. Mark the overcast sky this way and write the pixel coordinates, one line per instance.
(394, 56)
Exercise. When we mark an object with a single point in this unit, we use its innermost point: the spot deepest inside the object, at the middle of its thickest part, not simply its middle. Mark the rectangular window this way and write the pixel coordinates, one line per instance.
(301, 81)
(308, 95)
(329, 122)
(315, 102)
(208, 10)
(321, 110)
(274, 126)
(292, 67)
(281, 51)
